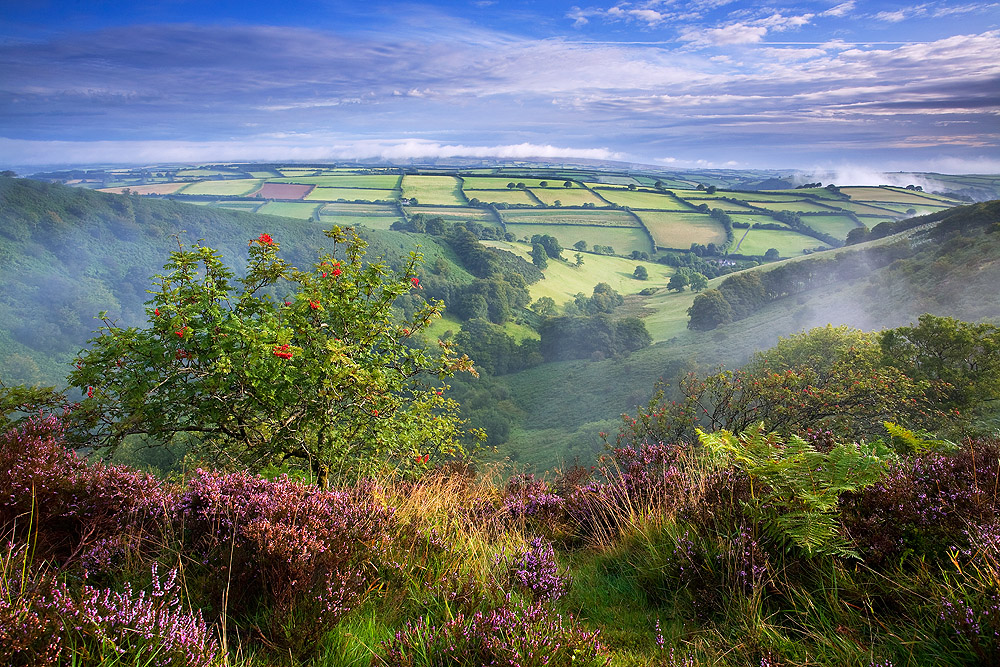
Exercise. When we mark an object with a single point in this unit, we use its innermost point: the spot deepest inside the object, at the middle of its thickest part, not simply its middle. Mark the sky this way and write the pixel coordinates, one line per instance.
(816, 84)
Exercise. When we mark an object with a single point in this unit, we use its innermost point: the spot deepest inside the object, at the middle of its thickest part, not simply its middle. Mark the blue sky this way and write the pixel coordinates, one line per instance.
(677, 83)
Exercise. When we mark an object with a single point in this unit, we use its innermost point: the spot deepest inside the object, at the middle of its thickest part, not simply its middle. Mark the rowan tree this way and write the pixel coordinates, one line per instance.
(327, 378)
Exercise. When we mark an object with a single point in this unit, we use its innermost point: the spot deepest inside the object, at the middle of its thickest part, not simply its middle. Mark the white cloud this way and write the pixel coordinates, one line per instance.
(272, 147)
(891, 17)
(621, 12)
(779, 22)
(843, 9)
(738, 33)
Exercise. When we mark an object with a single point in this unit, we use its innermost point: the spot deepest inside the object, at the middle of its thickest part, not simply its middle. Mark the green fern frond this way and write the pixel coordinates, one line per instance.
(799, 485)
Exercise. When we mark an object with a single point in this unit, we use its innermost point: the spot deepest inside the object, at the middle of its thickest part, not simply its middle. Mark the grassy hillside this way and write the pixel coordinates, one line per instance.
(67, 254)
(948, 270)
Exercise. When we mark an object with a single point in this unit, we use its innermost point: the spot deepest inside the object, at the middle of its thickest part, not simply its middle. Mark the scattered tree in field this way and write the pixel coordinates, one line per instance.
(604, 299)
(579, 259)
(551, 244)
(323, 376)
(538, 256)
(543, 184)
(678, 281)
(772, 255)
(631, 186)
(521, 185)
(710, 190)
(557, 203)
(641, 273)
(709, 310)
(581, 246)
(697, 282)
(567, 184)
(511, 185)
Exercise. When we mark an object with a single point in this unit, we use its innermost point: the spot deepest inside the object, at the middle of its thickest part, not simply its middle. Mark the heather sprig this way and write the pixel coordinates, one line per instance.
(513, 635)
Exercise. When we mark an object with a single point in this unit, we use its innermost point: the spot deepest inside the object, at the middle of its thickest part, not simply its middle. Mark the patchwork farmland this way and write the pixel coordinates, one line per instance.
(625, 213)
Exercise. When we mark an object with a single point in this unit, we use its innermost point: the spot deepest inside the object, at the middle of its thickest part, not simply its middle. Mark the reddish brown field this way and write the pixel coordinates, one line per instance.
(283, 191)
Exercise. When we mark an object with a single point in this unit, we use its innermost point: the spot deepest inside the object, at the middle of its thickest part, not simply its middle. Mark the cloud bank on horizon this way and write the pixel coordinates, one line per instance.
(679, 83)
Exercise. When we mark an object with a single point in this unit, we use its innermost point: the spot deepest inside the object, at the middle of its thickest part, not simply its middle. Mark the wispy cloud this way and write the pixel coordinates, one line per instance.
(843, 9)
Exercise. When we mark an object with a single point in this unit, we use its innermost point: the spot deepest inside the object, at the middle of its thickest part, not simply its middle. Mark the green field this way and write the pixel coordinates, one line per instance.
(753, 217)
(564, 280)
(788, 244)
(680, 230)
(589, 217)
(367, 181)
(237, 187)
(503, 197)
(295, 171)
(153, 189)
(649, 200)
(834, 225)
(288, 209)
(376, 210)
(611, 179)
(729, 206)
(250, 206)
(204, 173)
(623, 239)
(921, 209)
(373, 216)
(454, 214)
(270, 173)
(351, 194)
(801, 206)
(369, 221)
(889, 195)
(761, 196)
(445, 190)
(862, 209)
(700, 196)
(822, 193)
(567, 196)
(500, 182)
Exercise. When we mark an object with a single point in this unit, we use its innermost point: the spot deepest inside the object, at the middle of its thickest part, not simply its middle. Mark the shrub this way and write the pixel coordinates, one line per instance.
(301, 554)
(42, 623)
(76, 509)
(514, 634)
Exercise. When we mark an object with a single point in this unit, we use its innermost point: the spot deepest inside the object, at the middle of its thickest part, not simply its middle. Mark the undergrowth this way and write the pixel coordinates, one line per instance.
(740, 550)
